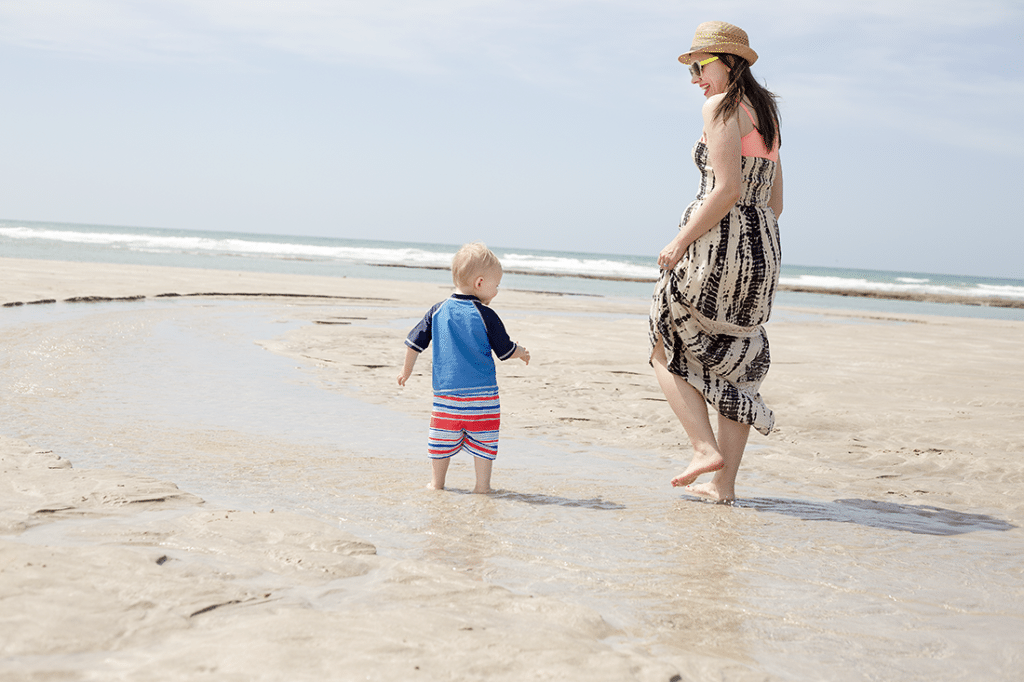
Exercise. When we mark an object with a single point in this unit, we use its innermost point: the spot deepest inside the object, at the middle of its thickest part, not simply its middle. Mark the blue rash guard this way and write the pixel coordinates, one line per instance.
(464, 332)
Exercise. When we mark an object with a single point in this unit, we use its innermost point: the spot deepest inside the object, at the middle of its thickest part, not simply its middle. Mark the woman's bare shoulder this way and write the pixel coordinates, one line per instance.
(710, 112)
(712, 103)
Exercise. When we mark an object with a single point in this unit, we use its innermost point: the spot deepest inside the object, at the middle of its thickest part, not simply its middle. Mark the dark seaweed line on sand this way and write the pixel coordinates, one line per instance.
(986, 301)
(103, 299)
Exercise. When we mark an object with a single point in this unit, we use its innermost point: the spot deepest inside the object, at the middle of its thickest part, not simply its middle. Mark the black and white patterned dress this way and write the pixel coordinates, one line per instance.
(710, 308)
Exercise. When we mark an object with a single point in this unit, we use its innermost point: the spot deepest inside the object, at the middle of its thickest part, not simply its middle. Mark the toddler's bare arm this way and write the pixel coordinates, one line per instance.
(410, 362)
(522, 354)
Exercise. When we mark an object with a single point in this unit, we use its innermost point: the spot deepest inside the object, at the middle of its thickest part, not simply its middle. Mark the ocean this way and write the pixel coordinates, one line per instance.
(566, 272)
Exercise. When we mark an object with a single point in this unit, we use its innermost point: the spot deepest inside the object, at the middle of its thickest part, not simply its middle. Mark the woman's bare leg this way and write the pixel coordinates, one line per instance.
(689, 407)
(732, 441)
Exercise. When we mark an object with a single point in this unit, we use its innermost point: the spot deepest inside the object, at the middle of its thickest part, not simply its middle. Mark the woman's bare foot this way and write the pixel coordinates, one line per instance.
(698, 465)
(712, 492)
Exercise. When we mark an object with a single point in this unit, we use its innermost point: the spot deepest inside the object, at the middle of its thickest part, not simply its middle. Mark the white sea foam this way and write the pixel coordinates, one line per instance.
(397, 255)
(903, 285)
(326, 250)
(1007, 290)
(578, 265)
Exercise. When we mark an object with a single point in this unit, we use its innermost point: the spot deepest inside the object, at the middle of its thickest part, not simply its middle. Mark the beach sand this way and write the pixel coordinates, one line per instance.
(878, 532)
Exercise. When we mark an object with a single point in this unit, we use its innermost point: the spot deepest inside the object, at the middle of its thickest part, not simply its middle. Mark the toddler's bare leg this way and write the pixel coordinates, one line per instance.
(438, 470)
(483, 474)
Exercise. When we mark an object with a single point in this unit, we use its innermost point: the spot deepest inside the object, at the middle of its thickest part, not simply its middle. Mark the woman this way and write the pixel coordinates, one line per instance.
(720, 272)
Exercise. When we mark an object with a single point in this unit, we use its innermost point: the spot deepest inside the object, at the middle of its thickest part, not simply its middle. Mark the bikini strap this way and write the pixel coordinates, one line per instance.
(749, 115)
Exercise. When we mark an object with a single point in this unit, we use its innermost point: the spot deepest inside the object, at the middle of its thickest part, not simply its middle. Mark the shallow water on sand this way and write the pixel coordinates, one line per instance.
(781, 586)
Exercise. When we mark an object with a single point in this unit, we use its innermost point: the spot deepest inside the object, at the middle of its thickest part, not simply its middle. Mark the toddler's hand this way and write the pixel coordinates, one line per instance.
(524, 355)
(402, 378)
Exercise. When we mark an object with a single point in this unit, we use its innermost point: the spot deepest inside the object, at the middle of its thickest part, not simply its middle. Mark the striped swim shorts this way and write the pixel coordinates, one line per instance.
(465, 419)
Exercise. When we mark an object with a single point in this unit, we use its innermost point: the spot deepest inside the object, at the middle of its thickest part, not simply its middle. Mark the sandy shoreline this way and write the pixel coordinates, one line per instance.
(909, 420)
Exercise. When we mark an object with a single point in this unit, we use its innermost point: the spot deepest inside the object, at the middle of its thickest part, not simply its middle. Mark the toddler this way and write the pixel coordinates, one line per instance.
(465, 332)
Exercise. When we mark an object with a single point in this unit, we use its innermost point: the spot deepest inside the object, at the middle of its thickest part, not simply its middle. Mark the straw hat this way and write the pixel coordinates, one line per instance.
(719, 37)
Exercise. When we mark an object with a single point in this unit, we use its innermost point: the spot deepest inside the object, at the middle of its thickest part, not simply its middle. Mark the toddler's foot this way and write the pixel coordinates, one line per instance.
(712, 492)
(698, 466)
(434, 486)
(482, 491)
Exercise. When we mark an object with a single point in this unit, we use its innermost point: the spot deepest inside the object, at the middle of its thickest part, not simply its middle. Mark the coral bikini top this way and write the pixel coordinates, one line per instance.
(752, 144)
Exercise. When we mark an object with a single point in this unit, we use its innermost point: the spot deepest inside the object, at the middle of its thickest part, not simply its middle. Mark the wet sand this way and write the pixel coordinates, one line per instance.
(877, 534)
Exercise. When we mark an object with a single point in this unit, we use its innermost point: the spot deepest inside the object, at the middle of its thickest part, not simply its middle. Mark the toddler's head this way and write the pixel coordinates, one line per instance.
(473, 261)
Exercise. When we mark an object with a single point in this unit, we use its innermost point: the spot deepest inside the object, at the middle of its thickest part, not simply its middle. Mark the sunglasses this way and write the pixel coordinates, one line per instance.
(697, 68)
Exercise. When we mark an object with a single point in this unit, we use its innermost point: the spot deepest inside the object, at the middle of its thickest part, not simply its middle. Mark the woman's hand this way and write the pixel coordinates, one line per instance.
(670, 255)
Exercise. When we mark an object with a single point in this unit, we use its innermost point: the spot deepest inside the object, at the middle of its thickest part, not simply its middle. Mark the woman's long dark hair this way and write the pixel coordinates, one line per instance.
(743, 84)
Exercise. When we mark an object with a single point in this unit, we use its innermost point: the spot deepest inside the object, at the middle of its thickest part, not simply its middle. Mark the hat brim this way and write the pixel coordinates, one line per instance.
(719, 48)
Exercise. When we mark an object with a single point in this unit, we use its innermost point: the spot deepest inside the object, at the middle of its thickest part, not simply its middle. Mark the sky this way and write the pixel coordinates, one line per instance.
(543, 124)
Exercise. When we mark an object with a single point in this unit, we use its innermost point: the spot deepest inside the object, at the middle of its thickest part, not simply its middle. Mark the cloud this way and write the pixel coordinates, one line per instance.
(941, 71)
(402, 31)
(522, 36)
(944, 68)
(386, 33)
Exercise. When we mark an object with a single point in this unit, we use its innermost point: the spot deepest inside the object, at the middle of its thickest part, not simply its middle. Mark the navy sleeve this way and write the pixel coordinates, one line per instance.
(502, 346)
(420, 336)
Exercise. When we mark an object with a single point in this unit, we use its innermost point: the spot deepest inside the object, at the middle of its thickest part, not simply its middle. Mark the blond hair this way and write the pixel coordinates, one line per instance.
(472, 261)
